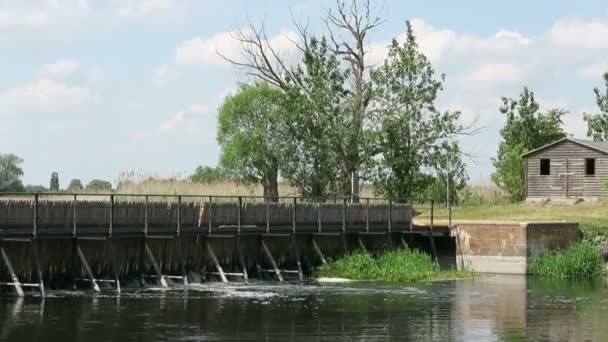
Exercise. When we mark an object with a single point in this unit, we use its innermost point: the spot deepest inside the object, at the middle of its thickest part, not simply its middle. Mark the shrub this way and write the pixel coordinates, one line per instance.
(582, 260)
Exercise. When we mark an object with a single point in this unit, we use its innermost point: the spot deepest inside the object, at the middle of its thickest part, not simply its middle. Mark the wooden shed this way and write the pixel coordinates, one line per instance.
(567, 168)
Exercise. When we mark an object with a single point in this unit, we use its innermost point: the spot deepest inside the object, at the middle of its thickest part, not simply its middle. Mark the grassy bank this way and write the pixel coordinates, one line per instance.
(581, 261)
(392, 266)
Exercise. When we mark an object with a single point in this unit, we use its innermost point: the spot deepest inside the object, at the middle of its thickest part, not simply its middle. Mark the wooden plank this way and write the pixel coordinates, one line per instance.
(271, 259)
(216, 262)
(16, 284)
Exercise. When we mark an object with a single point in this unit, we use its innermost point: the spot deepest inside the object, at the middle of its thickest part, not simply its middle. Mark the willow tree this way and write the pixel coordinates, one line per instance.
(251, 126)
(413, 138)
(597, 123)
(10, 173)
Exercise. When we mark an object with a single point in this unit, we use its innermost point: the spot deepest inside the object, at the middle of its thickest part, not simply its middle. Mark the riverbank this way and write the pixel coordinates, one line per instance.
(392, 266)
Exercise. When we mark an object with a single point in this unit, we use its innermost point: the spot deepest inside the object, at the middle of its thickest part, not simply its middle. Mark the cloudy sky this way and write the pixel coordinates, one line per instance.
(94, 88)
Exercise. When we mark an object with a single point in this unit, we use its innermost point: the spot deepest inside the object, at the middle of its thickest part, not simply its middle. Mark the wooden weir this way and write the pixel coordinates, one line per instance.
(105, 239)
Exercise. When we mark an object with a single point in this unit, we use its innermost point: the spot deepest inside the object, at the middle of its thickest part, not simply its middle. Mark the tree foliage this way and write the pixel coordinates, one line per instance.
(10, 173)
(525, 129)
(251, 126)
(98, 185)
(208, 174)
(597, 124)
(54, 184)
(75, 186)
(35, 188)
(413, 139)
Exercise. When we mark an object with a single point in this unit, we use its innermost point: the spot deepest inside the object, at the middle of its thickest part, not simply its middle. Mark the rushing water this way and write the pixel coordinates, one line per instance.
(488, 308)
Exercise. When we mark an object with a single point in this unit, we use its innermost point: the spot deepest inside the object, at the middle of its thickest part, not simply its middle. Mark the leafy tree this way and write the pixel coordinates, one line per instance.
(10, 173)
(98, 185)
(251, 127)
(54, 186)
(413, 139)
(317, 122)
(35, 188)
(208, 174)
(525, 129)
(75, 186)
(597, 124)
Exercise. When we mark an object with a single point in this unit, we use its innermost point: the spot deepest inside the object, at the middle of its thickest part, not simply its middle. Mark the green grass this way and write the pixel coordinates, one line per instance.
(392, 266)
(581, 261)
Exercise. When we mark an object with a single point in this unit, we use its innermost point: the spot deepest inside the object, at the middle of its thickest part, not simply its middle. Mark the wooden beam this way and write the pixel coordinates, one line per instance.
(241, 255)
(182, 261)
(317, 250)
(15, 280)
(37, 268)
(163, 281)
(112, 261)
(216, 262)
(271, 259)
(87, 268)
(361, 244)
(296, 252)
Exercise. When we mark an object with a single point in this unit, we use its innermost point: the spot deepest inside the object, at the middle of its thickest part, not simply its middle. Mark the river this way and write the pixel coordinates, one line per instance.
(486, 308)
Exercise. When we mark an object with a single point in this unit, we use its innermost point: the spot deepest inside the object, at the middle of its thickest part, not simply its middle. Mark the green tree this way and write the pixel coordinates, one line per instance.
(597, 124)
(75, 186)
(251, 126)
(413, 140)
(315, 141)
(525, 129)
(54, 186)
(35, 188)
(10, 173)
(98, 185)
(208, 174)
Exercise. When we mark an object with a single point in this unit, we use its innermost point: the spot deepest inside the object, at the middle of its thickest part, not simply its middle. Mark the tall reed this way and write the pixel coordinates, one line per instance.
(582, 260)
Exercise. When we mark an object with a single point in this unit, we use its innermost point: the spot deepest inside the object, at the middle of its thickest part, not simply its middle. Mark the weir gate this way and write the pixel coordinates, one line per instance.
(101, 241)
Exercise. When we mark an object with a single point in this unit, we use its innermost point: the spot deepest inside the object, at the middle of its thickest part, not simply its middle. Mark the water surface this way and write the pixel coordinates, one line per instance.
(488, 308)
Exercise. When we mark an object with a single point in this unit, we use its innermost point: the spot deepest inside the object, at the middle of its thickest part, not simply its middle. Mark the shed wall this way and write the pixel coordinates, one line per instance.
(567, 158)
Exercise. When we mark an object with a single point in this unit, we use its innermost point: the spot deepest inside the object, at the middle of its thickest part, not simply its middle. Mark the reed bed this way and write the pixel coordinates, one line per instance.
(580, 261)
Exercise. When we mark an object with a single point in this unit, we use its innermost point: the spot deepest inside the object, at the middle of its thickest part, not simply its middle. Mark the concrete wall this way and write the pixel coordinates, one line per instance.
(506, 247)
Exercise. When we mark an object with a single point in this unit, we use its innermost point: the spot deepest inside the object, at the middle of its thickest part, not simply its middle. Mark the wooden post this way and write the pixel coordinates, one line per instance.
(367, 215)
(296, 252)
(209, 215)
(411, 215)
(87, 268)
(182, 262)
(403, 243)
(146, 218)
(361, 244)
(267, 217)
(320, 227)
(37, 267)
(35, 220)
(317, 250)
(179, 216)
(74, 210)
(431, 237)
(113, 265)
(390, 215)
(294, 215)
(15, 280)
(344, 215)
(239, 247)
(111, 216)
(216, 262)
(277, 272)
(163, 282)
(239, 215)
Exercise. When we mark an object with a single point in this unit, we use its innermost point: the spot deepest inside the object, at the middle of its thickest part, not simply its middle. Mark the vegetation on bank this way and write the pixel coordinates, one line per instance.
(392, 266)
(582, 260)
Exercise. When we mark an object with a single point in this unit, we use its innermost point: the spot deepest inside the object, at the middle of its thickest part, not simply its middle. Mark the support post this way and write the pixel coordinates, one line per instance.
(146, 213)
(361, 244)
(267, 217)
(74, 210)
(296, 252)
(344, 216)
(239, 248)
(87, 268)
(294, 215)
(390, 215)
(179, 216)
(37, 267)
(163, 281)
(277, 272)
(111, 227)
(317, 250)
(209, 215)
(367, 215)
(240, 216)
(320, 227)
(15, 280)
(431, 237)
(35, 220)
(113, 264)
(216, 262)
(182, 262)
(403, 243)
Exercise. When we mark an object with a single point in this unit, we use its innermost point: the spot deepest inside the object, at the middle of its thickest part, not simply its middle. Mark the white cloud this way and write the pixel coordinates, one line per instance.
(593, 72)
(496, 73)
(59, 69)
(579, 34)
(185, 120)
(41, 14)
(47, 95)
(144, 8)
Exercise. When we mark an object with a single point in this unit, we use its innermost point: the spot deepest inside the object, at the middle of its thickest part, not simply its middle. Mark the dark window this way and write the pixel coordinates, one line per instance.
(545, 167)
(589, 166)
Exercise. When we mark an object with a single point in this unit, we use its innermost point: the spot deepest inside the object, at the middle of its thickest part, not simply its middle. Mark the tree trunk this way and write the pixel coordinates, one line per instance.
(271, 189)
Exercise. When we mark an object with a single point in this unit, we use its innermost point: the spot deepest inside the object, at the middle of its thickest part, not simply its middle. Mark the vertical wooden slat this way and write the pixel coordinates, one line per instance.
(294, 215)
(74, 211)
(178, 228)
(146, 218)
(35, 219)
(111, 227)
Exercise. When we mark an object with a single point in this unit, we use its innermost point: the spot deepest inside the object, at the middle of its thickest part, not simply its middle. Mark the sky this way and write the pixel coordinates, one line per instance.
(94, 89)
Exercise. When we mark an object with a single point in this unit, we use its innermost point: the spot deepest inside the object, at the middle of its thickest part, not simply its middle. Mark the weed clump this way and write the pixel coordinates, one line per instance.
(582, 260)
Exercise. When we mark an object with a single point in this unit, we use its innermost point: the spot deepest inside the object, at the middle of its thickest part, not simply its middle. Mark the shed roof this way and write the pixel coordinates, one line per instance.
(600, 146)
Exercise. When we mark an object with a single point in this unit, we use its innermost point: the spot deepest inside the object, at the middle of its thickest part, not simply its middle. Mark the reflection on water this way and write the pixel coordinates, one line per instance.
(490, 308)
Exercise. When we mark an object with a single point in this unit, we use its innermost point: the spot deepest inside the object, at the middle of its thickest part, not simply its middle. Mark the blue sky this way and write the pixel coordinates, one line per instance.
(91, 89)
